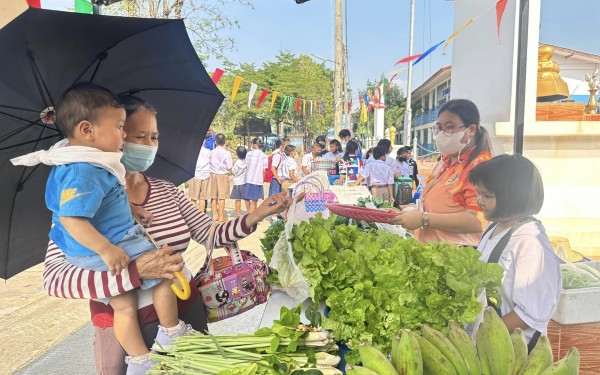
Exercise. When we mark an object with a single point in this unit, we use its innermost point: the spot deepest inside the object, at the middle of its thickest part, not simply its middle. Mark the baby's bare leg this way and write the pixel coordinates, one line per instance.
(126, 325)
(165, 304)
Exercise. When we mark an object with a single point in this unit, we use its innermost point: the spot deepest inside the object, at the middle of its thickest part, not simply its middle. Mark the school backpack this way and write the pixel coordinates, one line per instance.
(268, 172)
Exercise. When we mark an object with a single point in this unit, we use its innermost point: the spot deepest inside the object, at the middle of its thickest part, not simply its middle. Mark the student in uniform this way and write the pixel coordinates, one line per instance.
(239, 171)
(218, 184)
(308, 158)
(413, 171)
(287, 170)
(257, 163)
(509, 192)
(379, 175)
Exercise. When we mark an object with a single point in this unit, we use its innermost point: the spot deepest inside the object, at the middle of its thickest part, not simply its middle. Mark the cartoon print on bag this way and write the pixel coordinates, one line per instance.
(222, 296)
(230, 306)
(246, 285)
(218, 276)
(235, 291)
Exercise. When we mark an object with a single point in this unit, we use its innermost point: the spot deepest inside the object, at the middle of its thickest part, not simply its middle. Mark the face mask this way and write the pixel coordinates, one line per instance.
(138, 158)
(450, 145)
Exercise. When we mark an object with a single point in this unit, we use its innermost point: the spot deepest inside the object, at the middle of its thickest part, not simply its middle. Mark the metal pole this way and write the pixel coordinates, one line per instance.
(96, 9)
(339, 67)
(523, 17)
(408, 111)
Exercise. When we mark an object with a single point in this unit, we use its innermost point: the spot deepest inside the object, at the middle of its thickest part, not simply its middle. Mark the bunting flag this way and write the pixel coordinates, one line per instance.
(408, 59)
(297, 105)
(322, 106)
(428, 52)
(454, 34)
(311, 113)
(253, 88)
(290, 100)
(372, 99)
(363, 112)
(275, 93)
(285, 98)
(84, 6)
(261, 98)
(350, 106)
(236, 86)
(217, 75)
(304, 108)
(327, 104)
(500, 7)
(34, 3)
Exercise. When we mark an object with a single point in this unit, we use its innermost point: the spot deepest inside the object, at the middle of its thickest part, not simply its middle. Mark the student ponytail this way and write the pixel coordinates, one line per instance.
(351, 148)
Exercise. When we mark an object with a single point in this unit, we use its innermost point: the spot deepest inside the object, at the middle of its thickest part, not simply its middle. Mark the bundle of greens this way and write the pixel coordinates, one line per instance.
(579, 275)
(267, 244)
(288, 347)
(376, 283)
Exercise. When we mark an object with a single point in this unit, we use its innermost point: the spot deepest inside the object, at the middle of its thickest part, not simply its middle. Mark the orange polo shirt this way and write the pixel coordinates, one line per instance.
(448, 190)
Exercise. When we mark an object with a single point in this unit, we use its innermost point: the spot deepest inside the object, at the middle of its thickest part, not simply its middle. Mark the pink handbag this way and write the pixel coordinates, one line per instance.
(314, 201)
(232, 284)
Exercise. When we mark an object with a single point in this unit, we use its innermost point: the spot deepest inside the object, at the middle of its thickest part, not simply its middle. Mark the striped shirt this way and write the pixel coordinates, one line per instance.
(176, 221)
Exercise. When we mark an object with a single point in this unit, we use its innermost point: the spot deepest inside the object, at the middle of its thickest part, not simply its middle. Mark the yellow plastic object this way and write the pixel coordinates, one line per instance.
(563, 249)
(185, 291)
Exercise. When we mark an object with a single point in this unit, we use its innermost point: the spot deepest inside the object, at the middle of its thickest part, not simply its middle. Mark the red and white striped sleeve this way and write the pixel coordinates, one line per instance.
(64, 280)
(200, 224)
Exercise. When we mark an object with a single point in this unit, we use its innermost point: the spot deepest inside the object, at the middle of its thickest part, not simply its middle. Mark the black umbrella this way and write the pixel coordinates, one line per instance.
(42, 53)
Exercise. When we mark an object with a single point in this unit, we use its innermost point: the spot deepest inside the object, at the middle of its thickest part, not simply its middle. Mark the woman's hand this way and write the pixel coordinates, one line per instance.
(275, 204)
(408, 219)
(159, 263)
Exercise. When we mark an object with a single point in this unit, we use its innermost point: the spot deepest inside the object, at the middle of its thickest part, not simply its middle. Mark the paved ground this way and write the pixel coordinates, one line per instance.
(46, 335)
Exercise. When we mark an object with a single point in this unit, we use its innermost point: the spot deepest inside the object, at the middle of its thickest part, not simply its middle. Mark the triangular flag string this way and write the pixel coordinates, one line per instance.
(236, 86)
(500, 7)
(261, 98)
(431, 49)
(282, 104)
(273, 98)
(253, 88)
(217, 75)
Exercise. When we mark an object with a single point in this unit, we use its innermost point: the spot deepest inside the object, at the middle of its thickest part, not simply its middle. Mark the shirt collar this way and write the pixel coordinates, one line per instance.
(463, 157)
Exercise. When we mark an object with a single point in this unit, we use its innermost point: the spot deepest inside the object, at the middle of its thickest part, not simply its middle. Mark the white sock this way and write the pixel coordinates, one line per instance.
(172, 330)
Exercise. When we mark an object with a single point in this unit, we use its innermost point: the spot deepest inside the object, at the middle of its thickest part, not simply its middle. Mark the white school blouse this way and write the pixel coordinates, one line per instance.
(532, 280)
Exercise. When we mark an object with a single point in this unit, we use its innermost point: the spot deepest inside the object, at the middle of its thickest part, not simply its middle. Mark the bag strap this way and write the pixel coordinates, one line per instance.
(499, 248)
(232, 249)
(495, 257)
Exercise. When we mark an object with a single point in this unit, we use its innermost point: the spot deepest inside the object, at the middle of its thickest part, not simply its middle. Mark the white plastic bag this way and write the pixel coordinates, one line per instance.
(290, 276)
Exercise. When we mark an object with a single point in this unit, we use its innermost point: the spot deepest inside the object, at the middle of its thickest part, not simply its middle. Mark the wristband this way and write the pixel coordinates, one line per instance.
(424, 222)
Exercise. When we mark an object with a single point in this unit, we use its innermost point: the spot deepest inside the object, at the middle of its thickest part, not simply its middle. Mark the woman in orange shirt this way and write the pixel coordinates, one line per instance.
(448, 209)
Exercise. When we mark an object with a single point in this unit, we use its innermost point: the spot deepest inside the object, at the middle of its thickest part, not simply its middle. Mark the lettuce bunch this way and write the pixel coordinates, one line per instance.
(376, 283)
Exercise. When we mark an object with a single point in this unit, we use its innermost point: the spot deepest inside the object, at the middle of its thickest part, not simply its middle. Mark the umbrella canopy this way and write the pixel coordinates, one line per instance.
(42, 53)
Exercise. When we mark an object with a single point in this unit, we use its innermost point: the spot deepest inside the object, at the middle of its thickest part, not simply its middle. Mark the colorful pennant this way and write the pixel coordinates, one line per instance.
(261, 98)
(454, 34)
(253, 88)
(275, 93)
(217, 75)
(236, 86)
(500, 7)
(428, 52)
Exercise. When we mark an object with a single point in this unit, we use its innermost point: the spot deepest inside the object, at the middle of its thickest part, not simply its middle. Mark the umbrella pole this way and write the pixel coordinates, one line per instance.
(521, 73)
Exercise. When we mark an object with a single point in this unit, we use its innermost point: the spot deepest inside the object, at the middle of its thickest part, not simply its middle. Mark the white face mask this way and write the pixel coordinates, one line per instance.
(450, 145)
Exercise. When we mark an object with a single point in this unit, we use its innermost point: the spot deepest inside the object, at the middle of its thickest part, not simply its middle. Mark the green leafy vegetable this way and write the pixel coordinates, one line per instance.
(376, 282)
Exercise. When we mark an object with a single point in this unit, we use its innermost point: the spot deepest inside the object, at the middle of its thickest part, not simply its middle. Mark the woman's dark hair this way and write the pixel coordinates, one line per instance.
(351, 148)
(399, 153)
(515, 181)
(241, 152)
(133, 104)
(321, 139)
(469, 115)
(336, 143)
(277, 144)
(368, 154)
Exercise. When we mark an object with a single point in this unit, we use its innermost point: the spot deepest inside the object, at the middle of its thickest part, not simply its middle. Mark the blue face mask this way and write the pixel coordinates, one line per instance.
(137, 157)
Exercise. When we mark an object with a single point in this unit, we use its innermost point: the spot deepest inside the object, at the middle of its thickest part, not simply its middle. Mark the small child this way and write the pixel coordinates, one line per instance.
(91, 216)
(239, 180)
(379, 175)
(218, 182)
(509, 192)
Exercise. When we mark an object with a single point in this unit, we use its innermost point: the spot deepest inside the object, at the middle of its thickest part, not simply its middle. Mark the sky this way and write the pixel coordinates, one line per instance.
(377, 32)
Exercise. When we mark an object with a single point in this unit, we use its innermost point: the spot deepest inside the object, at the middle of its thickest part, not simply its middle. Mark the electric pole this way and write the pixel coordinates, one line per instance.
(408, 111)
(338, 82)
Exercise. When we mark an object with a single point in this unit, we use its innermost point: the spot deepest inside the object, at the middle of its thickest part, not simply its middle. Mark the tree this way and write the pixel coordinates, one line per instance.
(204, 21)
(295, 76)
